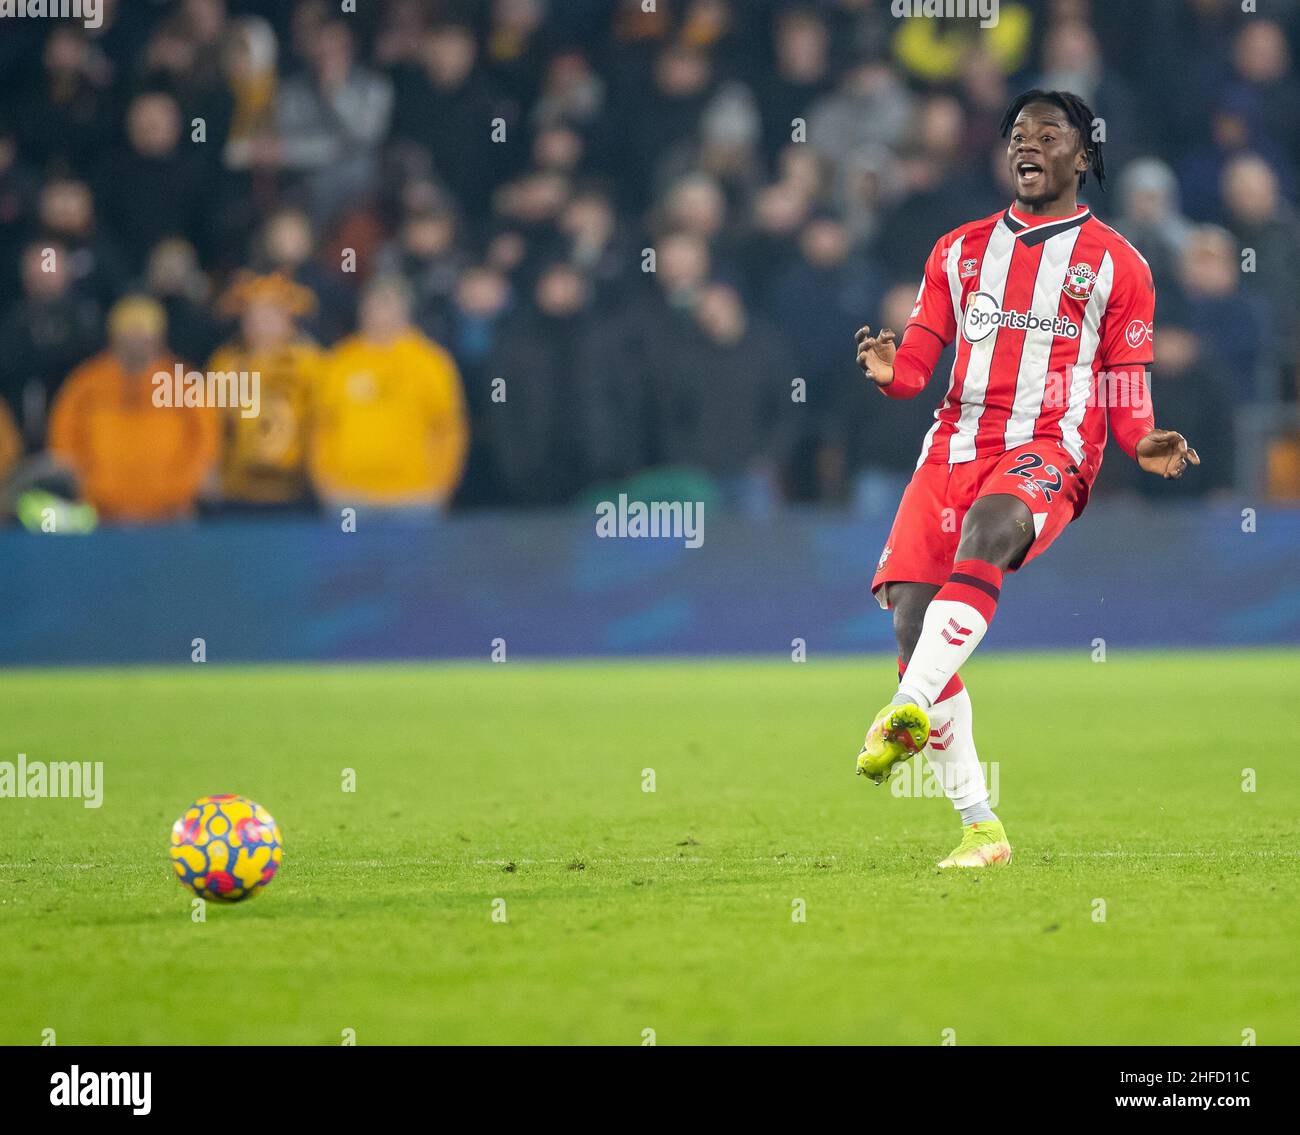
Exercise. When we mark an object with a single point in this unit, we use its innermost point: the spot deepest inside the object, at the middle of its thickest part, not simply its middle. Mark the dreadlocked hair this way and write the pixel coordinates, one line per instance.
(1079, 115)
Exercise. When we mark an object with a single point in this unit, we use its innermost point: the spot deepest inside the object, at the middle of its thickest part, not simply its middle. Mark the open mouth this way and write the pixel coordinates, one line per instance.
(1029, 173)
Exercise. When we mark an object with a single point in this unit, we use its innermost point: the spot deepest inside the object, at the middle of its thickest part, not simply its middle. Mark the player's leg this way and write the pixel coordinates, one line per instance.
(996, 532)
(1023, 504)
(957, 767)
(916, 559)
(995, 535)
(908, 602)
(898, 732)
(951, 753)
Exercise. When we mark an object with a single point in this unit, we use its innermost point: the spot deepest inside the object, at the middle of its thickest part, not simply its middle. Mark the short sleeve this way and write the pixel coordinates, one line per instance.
(933, 309)
(1127, 328)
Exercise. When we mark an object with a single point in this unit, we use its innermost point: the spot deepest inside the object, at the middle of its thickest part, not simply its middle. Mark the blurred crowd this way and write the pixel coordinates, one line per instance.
(514, 252)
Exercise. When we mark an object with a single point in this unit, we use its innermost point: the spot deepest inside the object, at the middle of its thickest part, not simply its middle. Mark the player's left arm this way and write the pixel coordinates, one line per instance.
(1127, 349)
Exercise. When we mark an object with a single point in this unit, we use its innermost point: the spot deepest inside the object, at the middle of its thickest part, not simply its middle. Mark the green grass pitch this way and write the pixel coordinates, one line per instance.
(670, 910)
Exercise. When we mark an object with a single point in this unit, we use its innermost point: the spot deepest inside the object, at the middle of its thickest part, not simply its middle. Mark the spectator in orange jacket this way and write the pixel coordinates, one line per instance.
(135, 460)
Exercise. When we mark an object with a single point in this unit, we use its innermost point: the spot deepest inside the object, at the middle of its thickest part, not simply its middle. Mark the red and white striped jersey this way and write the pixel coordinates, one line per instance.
(1040, 307)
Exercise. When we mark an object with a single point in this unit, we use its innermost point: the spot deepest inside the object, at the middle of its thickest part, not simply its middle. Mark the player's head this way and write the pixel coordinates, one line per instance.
(1051, 146)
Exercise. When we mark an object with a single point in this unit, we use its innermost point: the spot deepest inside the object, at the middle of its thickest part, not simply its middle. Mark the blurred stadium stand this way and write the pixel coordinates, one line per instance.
(274, 186)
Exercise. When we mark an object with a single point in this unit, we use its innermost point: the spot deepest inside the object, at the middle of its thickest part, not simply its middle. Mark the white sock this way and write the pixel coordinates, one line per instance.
(950, 632)
(951, 751)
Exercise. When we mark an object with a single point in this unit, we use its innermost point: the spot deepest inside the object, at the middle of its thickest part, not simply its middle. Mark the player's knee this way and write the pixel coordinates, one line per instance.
(982, 542)
(997, 535)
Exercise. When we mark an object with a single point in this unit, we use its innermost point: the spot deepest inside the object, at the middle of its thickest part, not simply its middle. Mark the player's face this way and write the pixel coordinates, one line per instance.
(1045, 155)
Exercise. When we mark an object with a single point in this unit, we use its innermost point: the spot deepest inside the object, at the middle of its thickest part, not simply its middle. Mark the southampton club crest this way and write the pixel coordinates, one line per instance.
(1079, 280)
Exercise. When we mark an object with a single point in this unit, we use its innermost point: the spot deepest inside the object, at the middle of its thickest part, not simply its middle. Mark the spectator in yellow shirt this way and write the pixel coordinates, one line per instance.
(390, 429)
(264, 458)
(136, 461)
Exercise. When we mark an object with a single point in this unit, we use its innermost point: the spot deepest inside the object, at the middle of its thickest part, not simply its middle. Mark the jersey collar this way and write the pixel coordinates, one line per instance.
(1035, 230)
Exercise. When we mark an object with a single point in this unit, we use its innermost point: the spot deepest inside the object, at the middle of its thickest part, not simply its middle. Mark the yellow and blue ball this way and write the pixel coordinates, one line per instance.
(225, 848)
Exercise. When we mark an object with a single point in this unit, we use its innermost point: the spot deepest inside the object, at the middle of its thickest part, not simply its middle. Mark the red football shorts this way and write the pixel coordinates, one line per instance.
(923, 541)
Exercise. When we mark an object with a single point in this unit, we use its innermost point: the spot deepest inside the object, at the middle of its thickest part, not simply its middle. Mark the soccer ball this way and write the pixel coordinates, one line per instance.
(225, 848)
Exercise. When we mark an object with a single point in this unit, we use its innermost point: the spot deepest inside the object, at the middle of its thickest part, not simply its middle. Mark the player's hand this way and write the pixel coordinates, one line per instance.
(1166, 453)
(876, 355)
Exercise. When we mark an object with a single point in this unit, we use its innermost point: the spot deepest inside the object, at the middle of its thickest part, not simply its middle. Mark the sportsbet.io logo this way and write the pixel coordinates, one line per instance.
(983, 316)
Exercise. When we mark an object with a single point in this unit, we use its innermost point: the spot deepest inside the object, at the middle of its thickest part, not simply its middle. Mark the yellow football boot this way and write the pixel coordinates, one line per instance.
(898, 732)
(983, 844)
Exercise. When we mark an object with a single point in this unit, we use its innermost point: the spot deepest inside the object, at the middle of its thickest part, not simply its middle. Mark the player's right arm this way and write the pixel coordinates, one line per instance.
(901, 370)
